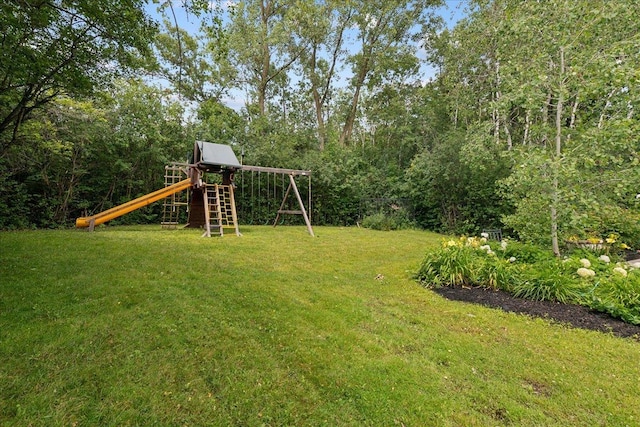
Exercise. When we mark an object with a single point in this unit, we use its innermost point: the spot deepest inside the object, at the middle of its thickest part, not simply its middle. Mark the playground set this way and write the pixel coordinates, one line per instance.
(210, 202)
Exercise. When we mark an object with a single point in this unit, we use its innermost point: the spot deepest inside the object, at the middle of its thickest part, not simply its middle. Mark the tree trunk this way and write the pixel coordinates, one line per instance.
(347, 130)
(545, 116)
(322, 132)
(555, 197)
(572, 121)
(265, 10)
(264, 78)
(604, 109)
(508, 133)
(527, 125)
(496, 111)
(317, 101)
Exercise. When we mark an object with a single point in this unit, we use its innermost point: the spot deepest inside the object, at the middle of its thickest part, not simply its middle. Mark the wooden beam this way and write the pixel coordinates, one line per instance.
(234, 214)
(304, 212)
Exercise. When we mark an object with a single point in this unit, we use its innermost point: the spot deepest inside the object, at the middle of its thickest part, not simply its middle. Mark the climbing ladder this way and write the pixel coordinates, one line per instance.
(219, 210)
(172, 205)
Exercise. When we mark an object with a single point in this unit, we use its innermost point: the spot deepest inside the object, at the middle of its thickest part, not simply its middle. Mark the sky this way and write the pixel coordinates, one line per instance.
(451, 13)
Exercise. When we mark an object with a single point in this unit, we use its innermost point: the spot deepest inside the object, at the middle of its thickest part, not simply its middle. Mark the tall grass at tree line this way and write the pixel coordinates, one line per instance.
(142, 326)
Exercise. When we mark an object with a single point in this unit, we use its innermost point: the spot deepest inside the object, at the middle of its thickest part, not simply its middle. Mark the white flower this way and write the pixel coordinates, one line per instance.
(503, 245)
(621, 271)
(485, 235)
(512, 259)
(485, 247)
(605, 258)
(490, 252)
(585, 272)
(585, 263)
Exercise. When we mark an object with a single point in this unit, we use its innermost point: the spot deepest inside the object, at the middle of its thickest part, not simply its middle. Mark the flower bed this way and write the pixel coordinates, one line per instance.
(603, 283)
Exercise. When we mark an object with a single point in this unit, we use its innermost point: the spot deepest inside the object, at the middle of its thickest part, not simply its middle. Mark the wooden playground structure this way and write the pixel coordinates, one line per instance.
(205, 188)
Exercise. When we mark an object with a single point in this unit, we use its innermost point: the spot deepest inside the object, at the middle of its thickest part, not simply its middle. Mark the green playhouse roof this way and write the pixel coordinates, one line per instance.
(210, 154)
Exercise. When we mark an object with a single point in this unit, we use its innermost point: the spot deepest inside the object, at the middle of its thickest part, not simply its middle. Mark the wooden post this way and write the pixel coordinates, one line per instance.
(219, 209)
(207, 215)
(234, 214)
(302, 211)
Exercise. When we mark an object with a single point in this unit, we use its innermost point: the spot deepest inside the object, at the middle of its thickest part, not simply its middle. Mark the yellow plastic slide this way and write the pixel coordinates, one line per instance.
(108, 215)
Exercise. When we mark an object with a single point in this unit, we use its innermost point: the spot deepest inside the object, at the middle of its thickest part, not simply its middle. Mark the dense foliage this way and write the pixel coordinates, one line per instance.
(530, 123)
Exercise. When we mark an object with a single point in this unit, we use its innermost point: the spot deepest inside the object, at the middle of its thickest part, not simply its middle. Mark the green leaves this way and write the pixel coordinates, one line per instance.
(454, 187)
(530, 272)
(554, 85)
(64, 46)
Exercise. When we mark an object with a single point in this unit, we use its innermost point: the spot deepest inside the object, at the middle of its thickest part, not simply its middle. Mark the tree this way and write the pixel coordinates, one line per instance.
(322, 26)
(455, 188)
(195, 70)
(261, 45)
(80, 156)
(555, 85)
(583, 78)
(384, 29)
(63, 46)
(218, 123)
(402, 119)
(44, 178)
(147, 133)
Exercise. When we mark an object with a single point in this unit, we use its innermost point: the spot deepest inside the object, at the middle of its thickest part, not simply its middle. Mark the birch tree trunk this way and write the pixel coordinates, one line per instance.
(555, 196)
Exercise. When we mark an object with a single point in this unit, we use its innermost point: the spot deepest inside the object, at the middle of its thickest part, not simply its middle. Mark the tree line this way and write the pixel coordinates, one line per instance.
(529, 124)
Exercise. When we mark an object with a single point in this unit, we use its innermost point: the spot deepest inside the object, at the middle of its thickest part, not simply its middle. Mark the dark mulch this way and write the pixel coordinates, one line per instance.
(574, 315)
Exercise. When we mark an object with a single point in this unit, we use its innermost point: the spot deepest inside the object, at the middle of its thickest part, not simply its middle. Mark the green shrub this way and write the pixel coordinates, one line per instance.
(377, 221)
(570, 265)
(450, 266)
(533, 273)
(546, 281)
(464, 262)
(618, 296)
(526, 253)
(386, 222)
(496, 273)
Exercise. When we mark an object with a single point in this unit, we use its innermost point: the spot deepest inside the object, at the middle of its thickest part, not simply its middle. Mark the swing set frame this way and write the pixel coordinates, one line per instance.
(292, 173)
(220, 159)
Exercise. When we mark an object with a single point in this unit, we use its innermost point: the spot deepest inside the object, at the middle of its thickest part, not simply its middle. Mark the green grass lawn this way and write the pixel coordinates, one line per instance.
(143, 326)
